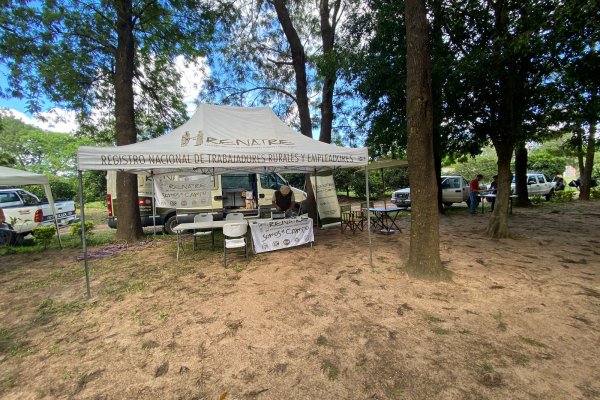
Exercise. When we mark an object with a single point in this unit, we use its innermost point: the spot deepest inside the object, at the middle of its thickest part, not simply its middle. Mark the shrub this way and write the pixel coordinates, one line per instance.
(44, 235)
(537, 199)
(595, 193)
(563, 196)
(76, 229)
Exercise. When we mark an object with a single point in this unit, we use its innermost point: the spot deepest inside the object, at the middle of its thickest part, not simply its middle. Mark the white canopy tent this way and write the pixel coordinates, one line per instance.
(17, 177)
(223, 139)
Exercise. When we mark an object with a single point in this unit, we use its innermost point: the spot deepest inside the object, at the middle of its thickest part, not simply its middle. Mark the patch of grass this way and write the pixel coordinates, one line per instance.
(523, 359)
(87, 378)
(149, 344)
(532, 342)
(162, 316)
(330, 370)
(11, 345)
(318, 311)
(9, 382)
(440, 331)
(432, 318)
(501, 324)
(323, 341)
(47, 310)
(487, 368)
(118, 288)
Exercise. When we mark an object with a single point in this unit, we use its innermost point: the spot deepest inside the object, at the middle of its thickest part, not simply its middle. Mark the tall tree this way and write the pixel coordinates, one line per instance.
(577, 36)
(111, 61)
(424, 255)
(503, 52)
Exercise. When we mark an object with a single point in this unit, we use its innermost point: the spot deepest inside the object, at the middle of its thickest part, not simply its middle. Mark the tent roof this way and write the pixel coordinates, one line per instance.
(222, 139)
(387, 164)
(11, 177)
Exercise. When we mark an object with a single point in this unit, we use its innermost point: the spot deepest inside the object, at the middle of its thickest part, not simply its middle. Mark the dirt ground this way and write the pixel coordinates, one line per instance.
(521, 319)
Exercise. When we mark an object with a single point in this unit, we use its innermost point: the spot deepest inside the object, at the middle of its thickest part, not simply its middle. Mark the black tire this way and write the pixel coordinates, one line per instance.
(170, 223)
(447, 204)
(7, 238)
(468, 201)
(550, 194)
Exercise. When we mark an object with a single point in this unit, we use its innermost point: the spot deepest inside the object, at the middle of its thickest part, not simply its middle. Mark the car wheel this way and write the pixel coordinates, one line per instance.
(550, 194)
(7, 238)
(170, 223)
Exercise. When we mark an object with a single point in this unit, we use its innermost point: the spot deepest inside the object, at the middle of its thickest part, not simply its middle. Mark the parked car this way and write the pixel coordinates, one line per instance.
(24, 211)
(455, 189)
(537, 185)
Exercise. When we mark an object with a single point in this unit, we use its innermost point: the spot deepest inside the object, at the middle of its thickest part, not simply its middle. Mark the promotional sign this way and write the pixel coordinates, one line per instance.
(181, 192)
(327, 201)
(281, 234)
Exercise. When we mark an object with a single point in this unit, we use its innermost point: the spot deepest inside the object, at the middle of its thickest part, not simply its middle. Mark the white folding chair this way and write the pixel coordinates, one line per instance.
(234, 237)
(208, 218)
(234, 217)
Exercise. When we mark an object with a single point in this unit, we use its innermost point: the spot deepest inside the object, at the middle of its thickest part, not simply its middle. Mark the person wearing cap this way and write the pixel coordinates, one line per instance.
(283, 200)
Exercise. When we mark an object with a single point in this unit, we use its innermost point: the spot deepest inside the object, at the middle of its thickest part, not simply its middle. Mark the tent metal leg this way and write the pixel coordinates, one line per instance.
(85, 254)
(153, 208)
(368, 215)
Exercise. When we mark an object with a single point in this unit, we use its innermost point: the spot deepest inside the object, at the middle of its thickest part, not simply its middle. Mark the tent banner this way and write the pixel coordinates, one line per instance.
(327, 201)
(280, 234)
(186, 191)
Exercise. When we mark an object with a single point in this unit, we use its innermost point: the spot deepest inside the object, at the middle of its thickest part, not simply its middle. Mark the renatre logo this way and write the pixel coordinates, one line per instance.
(200, 139)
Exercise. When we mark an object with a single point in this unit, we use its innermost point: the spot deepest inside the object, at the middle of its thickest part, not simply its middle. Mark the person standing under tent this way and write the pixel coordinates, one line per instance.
(284, 200)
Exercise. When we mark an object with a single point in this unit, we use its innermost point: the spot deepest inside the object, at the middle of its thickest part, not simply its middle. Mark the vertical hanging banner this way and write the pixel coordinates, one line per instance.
(327, 201)
(181, 192)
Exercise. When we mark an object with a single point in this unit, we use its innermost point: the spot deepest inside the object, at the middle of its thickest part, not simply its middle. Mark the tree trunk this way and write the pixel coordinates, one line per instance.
(329, 70)
(498, 224)
(129, 227)
(299, 64)
(424, 254)
(521, 176)
(586, 175)
(579, 151)
(504, 132)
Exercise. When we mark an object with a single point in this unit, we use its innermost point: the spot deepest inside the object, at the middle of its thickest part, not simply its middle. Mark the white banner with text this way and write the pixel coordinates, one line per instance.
(281, 233)
(185, 191)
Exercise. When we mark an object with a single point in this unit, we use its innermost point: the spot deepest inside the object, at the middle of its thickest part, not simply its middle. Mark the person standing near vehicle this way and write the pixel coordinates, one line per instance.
(474, 190)
(493, 190)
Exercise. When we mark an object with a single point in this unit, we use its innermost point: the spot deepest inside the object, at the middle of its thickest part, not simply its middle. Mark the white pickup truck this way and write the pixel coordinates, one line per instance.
(455, 189)
(537, 185)
(24, 211)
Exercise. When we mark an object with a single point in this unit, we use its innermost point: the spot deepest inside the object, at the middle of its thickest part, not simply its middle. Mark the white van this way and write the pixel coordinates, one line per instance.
(249, 194)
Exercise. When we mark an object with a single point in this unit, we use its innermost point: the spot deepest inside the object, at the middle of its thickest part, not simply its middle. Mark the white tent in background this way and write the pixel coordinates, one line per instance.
(220, 140)
(17, 177)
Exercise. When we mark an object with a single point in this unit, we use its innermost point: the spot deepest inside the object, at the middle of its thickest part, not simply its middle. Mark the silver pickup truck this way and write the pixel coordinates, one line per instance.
(24, 211)
(455, 189)
(537, 185)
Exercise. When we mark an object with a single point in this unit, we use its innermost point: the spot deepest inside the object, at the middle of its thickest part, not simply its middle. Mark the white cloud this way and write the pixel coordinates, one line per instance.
(193, 75)
(54, 120)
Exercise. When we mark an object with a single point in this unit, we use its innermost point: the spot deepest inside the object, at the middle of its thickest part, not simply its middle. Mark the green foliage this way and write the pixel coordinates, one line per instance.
(65, 52)
(76, 229)
(485, 164)
(563, 196)
(546, 163)
(44, 235)
(595, 193)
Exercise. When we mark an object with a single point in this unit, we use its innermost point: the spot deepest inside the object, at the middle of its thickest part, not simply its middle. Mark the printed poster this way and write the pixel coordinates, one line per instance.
(327, 201)
(182, 192)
